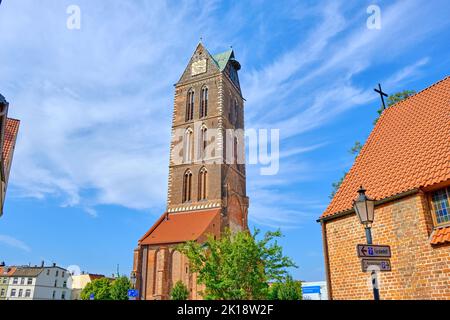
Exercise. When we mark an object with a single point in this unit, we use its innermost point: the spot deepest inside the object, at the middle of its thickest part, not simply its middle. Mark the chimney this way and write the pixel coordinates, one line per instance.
(2, 264)
(54, 264)
(42, 263)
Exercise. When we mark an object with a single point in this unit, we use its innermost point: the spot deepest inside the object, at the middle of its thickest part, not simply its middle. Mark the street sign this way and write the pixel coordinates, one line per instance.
(373, 251)
(375, 265)
(91, 296)
(311, 289)
(133, 294)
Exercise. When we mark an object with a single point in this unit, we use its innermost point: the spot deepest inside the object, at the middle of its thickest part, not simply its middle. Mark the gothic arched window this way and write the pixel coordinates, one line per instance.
(188, 145)
(204, 102)
(202, 180)
(235, 150)
(187, 186)
(190, 105)
(203, 141)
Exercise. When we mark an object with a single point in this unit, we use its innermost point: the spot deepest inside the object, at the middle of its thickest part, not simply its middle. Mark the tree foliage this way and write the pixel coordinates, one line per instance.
(101, 288)
(179, 291)
(287, 290)
(237, 266)
(107, 289)
(119, 288)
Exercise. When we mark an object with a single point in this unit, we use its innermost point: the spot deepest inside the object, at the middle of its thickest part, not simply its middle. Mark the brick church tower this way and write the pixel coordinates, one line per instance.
(207, 183)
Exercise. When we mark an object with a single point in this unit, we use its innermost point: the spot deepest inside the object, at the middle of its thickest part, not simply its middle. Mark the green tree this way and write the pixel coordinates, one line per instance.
(287, 290)
(179, 291)
(119, 288)
(237, 266)
(356, 149)
(101, 288)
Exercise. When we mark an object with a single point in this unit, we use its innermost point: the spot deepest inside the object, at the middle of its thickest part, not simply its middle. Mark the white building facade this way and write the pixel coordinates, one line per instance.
(39, 283)
(314, 290)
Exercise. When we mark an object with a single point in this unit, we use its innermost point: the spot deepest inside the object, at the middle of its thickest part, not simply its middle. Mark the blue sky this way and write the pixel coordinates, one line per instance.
(89, 175)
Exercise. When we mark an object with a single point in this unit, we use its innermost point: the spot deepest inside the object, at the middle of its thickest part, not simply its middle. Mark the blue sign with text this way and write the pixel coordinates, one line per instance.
(311, 289)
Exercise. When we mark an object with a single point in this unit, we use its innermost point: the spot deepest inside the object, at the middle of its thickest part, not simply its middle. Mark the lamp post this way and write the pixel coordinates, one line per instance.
(365, 210)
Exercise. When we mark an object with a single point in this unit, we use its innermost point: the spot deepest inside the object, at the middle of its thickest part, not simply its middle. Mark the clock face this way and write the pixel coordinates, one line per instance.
(198, 67)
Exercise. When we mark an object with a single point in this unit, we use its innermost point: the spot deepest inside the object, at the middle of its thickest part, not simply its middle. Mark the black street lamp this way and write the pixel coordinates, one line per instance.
(365, 210)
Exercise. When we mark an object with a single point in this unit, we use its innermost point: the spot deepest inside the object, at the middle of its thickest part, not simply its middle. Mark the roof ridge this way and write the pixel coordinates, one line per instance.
(421, 91)
(378, 123)
(14, 119)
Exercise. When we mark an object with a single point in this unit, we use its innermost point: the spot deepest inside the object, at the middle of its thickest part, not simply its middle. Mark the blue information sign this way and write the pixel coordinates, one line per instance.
(311, 289)
(91, 296)
(133, 294)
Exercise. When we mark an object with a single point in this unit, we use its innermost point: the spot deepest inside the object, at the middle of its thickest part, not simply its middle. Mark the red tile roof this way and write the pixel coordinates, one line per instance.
(11, 130)
(440, 236)
(409, 148)
(7, 271)
(180, 227)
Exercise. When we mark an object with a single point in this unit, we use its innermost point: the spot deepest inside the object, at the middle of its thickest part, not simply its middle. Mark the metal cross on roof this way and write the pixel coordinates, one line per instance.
(382, 95)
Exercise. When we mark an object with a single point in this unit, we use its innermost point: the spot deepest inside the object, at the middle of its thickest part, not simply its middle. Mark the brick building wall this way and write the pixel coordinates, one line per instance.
(419, 270)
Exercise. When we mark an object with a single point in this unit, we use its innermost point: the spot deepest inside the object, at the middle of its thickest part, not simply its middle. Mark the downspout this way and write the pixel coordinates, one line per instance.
(327, 260)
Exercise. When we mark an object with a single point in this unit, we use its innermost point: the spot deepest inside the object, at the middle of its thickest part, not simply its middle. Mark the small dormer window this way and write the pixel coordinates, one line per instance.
(441, 208)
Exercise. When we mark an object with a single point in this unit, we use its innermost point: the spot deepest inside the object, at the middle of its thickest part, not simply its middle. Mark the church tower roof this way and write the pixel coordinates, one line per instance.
(222, 59)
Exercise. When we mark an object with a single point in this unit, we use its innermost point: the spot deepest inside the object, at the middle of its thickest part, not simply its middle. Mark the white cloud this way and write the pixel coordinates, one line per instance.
(14, 243)
(96, 104)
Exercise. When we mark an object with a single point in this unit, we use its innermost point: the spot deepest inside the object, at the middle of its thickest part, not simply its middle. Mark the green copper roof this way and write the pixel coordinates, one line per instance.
(222, 59)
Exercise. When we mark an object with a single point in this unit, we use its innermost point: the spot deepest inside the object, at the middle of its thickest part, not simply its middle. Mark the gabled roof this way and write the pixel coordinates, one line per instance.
(409, 148)
(179, 227)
